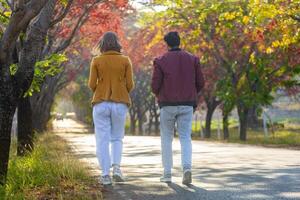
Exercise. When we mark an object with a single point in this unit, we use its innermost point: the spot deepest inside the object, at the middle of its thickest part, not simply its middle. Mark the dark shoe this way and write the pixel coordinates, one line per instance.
(187, 177)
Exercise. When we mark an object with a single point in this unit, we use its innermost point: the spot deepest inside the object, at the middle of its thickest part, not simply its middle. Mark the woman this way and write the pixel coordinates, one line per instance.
(111, 81)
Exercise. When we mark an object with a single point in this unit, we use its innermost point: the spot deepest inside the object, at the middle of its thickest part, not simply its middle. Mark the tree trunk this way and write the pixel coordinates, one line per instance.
(132, 115)
(31, 53)
(150, 124)
(253, 121)
(154, 115)
(34, 44)
(225, 125)
(243, 118)
(42, 103)
(25, 131)
(8, 104)
(157, 130)
(209, 114)
(133, 126)
(140, 123)
(140, 119)
(42, 114)
(7, 110)
(211, 107)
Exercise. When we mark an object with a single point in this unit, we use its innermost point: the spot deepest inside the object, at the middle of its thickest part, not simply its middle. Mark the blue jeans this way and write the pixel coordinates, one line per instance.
(182, 116)
(109, 119)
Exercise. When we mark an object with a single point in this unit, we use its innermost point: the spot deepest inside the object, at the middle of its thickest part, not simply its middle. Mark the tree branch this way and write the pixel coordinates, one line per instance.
(63, 14)
(245, 59)
(82, 19)
(48, 46)
(19, 20)
(10, 5)
(68, 41)
(33, 46)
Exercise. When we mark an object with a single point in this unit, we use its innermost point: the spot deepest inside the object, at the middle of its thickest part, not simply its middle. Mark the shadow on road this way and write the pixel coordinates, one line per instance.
(184, 192)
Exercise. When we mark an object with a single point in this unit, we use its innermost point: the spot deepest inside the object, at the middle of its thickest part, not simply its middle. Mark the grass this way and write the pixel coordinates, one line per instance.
(287, 136)
(50, 172)
(287, 121)
(214, 124)
(280, 137)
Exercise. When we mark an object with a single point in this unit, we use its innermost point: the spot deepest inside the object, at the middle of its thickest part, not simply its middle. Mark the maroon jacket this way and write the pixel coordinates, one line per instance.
(177, 78)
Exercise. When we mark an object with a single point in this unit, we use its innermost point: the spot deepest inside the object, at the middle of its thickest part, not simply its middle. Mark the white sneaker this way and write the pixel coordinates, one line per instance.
(106, 180)
(117, 174)
(166, 178)
(187, 177)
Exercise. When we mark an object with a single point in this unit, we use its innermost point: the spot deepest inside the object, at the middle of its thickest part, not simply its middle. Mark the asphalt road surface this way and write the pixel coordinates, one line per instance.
(220, 171)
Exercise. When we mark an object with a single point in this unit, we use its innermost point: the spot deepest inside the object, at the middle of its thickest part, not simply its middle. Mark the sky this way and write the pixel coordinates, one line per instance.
(138, 3)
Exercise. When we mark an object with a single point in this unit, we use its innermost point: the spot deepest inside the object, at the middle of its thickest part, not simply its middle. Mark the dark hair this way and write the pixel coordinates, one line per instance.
(172, 39)
(109, 42)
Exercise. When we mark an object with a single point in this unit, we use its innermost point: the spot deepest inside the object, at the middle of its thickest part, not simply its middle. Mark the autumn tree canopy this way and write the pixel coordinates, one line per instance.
(248, 49)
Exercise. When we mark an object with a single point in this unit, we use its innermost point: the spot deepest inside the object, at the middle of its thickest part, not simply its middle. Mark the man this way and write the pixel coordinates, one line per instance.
(177, 80)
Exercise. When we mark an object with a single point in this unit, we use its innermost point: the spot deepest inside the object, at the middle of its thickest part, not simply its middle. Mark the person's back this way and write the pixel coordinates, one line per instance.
(114, 74)
(179, 78)
(176, 81)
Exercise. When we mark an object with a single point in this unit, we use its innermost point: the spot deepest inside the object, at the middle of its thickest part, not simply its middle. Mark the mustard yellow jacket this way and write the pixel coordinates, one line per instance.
(111, 78)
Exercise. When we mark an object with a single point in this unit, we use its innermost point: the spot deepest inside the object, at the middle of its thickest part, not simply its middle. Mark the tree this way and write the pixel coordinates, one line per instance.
(249, 82)
(29, 54)
(80, 94)
(241, 40)
(12, 87)
(48, 67)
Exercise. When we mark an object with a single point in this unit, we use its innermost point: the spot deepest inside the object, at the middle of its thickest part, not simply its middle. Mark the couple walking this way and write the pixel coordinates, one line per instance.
(176, 82)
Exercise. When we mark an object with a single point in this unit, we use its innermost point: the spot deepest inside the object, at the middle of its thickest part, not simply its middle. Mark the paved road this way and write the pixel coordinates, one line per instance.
(221, 171)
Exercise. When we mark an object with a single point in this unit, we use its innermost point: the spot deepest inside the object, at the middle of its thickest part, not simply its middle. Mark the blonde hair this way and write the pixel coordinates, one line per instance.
(109, 42)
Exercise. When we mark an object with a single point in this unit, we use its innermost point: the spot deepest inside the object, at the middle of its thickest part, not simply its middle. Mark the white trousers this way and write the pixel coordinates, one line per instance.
(109, 120)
